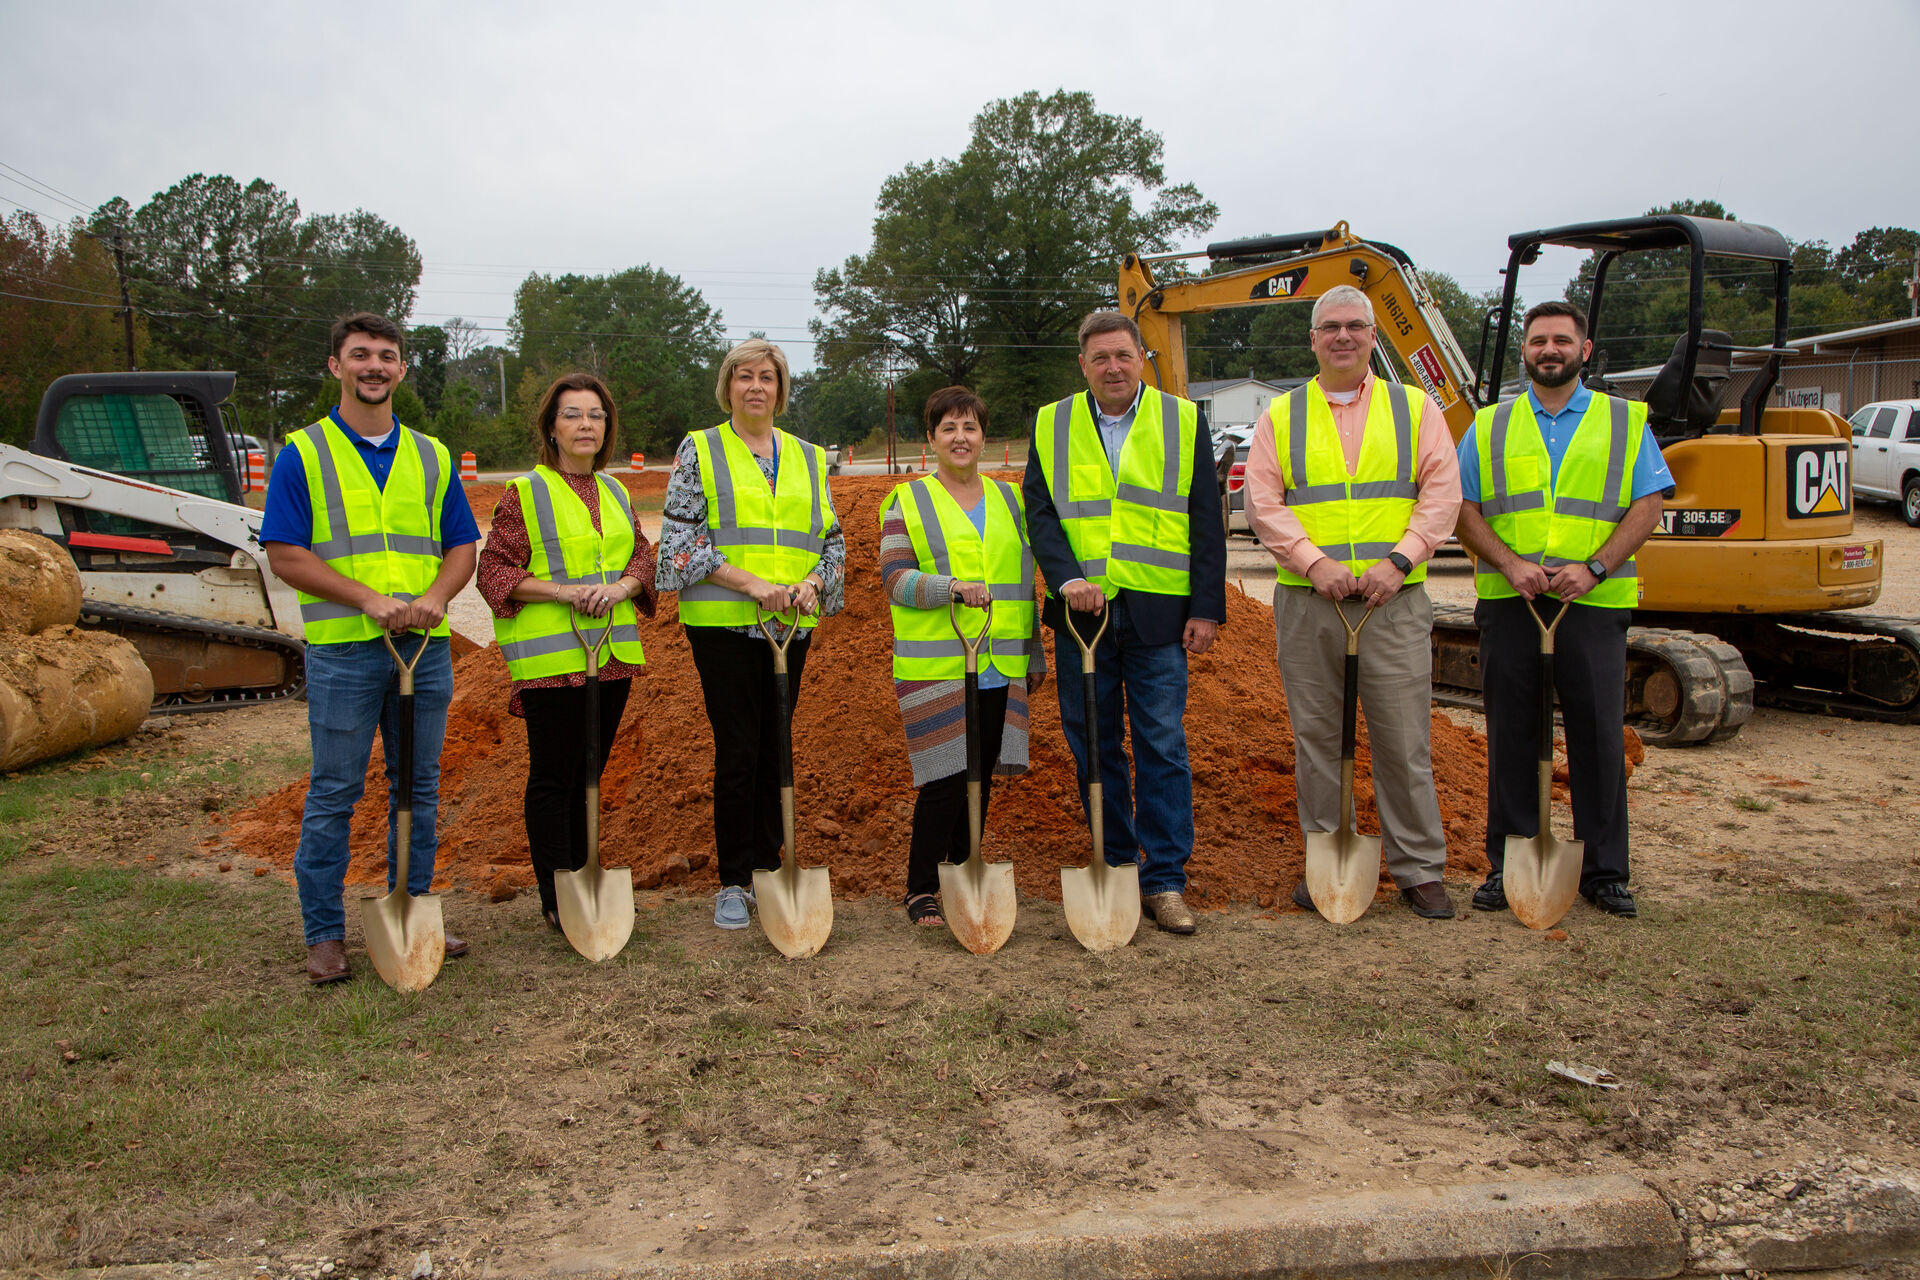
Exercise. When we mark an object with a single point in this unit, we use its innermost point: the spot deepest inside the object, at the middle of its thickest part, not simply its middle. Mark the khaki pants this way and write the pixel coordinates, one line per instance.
(1396, 697)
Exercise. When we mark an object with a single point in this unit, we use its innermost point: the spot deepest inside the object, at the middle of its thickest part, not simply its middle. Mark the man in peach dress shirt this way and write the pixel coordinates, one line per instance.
(1396, 664)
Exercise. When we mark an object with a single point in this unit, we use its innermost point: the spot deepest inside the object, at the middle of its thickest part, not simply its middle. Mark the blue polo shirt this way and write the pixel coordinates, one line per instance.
(1650, 474)
(289, 512)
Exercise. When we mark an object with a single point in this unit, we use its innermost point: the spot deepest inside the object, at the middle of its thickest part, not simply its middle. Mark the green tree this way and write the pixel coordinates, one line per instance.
(427, 364)
(62, 316)
(650, 336)
(233, 277)
(981, 267)
(838, 409)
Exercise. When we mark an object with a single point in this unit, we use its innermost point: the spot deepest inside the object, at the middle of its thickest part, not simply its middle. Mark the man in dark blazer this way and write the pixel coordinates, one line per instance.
(1124, 514)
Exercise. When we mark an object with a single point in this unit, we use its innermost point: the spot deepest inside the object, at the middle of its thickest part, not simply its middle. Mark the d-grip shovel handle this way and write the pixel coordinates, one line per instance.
(972, 646)
(1350, 683)
(405, 752)
(1546, 680)
(592, 745)
(1091, 693)
(783, 730)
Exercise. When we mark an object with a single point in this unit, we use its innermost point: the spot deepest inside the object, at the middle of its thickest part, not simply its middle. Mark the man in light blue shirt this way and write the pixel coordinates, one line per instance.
(1650, 474)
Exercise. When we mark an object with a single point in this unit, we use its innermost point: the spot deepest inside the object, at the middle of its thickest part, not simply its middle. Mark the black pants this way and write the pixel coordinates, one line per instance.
(736, 678)
(941, 832)
(557, 773)
(1590, 672)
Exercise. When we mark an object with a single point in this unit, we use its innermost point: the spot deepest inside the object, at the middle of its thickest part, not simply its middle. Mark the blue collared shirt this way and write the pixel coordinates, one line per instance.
(289, 512)
(1113, 431)
(1650, 474)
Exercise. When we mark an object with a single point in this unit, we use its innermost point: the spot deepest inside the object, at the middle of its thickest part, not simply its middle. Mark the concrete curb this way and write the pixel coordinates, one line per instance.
(1601, 1228)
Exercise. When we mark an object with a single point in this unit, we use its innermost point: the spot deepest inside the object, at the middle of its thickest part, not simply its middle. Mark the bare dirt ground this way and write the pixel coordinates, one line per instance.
(701, 1098)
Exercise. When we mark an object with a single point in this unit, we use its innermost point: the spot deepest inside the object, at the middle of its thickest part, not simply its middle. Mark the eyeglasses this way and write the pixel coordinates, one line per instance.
(1332, 329)
(595, 416)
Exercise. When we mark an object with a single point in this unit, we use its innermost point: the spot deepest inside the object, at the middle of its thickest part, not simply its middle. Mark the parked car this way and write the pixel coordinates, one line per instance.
(1886, 455)
(1236, 439)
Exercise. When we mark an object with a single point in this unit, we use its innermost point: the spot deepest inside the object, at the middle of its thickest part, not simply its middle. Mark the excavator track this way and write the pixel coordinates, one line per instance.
(199, 665)
(1682, 686)
(1860, 665)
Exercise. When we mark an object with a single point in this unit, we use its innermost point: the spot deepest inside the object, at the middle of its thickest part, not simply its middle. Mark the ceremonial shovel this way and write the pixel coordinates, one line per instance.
(796, 904)
(1102, 903)
(406, 936)
(596, 905)
(1543, 873)
(976, 896)
(1343, 866)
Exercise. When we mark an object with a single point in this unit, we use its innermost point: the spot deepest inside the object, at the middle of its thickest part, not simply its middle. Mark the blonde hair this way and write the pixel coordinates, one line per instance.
(746, 353)
(1339, 296)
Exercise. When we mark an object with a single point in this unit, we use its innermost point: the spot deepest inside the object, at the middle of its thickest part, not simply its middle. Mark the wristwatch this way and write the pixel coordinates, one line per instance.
(1400, 562)
(1598, 569)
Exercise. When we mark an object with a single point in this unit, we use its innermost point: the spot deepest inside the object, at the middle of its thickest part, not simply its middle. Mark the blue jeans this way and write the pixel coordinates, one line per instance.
(1153, 819)
(352, 689)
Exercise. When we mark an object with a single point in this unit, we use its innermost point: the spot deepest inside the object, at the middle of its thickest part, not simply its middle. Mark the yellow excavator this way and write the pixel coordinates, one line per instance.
(1748, 591)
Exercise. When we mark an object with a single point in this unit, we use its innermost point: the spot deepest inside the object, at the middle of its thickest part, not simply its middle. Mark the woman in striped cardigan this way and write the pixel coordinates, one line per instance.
(919, 553)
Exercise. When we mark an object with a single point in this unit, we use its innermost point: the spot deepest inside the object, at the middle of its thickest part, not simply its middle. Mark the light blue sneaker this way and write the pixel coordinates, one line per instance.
(730, 907)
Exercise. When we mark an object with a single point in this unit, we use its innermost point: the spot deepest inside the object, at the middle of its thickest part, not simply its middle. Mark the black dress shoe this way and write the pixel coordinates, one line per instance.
(1301, 898)
(1492, 894)
(1612, 898)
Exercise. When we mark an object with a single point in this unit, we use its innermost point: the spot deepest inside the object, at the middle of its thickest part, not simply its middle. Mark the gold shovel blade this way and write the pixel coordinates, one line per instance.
(1102, 903)
(978, 900)
(1542, 877)
(596, 909)
(796, 908)
(406, 938)
(1343, 870)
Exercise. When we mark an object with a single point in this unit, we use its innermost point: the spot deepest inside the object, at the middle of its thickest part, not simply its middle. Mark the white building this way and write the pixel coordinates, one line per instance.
(1236, 402)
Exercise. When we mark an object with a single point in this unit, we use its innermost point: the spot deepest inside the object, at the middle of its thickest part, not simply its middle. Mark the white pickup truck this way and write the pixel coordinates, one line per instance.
(1886, 454)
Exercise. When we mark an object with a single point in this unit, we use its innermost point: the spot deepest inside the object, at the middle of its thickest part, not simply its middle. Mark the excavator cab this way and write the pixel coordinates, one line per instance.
(1757, 550)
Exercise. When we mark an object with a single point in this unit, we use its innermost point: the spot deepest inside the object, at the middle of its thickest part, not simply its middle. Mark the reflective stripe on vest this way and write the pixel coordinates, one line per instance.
(757, 528)
(386, 538)
(924, 644)
(538, 641)
(1131, 529)
(1565, 520)
(1356, 520)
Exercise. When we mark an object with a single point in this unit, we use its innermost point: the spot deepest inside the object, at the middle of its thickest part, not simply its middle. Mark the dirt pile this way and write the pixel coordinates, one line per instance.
(854, 789)
(61, 688)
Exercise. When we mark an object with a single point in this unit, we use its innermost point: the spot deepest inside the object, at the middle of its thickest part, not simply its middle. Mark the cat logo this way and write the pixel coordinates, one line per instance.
(1283, 285)
(1818, 481)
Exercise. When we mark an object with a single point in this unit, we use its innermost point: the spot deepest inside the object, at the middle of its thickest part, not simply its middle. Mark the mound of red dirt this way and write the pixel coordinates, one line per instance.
(853, 787)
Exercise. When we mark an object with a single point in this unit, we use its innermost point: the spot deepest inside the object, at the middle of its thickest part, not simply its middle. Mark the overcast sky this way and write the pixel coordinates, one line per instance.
(742, 146)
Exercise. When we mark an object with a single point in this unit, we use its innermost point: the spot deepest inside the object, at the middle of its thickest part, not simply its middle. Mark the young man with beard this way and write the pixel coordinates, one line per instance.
(367, 521)
(1559, 488)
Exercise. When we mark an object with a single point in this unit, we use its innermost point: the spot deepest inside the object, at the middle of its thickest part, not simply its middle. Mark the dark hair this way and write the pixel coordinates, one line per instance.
(1099, 322)
(366, 322)
(549, 413)
(951, 400)
(1541, 310)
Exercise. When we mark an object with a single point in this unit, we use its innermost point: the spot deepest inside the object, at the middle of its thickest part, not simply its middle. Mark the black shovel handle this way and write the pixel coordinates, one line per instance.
(591, 646)
(1546, 676)
(405, 715)
(971, 646)
(782, 725)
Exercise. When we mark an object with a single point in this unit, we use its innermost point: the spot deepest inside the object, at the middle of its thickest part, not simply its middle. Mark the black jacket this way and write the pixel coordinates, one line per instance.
(1152, 618)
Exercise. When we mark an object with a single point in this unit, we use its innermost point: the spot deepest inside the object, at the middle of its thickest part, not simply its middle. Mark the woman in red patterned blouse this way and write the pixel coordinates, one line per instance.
(575, 431)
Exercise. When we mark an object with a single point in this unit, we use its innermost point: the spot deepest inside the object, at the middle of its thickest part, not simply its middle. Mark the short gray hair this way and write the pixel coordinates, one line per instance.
(1342, 295)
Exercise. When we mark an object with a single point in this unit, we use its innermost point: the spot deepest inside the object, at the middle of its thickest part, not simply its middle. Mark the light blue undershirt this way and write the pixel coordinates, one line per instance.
(1113, 431)
(1650, 474)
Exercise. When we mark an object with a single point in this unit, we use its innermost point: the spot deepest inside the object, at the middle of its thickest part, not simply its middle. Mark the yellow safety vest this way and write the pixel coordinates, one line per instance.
(774, 533)
(384, 538)
(1129, 530)
(538, 640)
(1355, 518)
(1565, 520)
(946, 543)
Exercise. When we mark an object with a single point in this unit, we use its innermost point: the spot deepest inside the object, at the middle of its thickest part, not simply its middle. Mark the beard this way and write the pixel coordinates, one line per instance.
(1560, 377)
(384, 394)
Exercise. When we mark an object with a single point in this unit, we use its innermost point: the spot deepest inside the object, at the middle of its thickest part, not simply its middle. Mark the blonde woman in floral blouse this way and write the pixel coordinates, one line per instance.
(748, 525)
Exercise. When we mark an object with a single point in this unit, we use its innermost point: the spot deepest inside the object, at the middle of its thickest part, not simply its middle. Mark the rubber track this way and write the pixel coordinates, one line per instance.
(129, 620)
(1717, 690)
(1903, 631)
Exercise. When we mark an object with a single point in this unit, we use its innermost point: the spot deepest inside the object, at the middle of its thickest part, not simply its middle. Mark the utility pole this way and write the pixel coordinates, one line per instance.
(501, 358)
(1913, 285)
(126, 303)
(890, 467)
